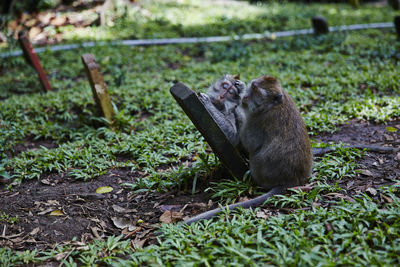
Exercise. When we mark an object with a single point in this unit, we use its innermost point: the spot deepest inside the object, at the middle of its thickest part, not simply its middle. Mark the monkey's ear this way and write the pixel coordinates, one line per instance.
(236, 76)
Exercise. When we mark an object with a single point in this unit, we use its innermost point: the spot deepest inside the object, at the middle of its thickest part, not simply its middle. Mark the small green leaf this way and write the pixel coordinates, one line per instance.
(104, 189)
(391, 129)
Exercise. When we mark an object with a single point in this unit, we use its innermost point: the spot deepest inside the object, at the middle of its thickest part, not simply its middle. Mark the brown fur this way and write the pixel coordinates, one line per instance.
(274, 135)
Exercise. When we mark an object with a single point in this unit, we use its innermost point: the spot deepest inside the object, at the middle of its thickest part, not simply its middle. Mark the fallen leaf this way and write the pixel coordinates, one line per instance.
(61, 255)
(391, 129)
(398, 156)
(57, 213)
(123, 223)
(340, 196)
(137, 243)
(262, 215)
(35, 231)
(120, 209)
(104, 189)
(95, 231)
(372, 191)
(52, 202)
(58, 21)
(45, 181)
(30, 23)
(388, 137)
(170, 216)
(33, 32)
(349, 185)
(366, 172)
(46, 211)
(386, 198)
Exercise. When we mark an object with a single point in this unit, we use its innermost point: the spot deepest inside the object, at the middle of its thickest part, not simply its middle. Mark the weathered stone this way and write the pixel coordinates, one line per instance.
(210, 130)
(98, 86)
(33, 60)
(320, 25)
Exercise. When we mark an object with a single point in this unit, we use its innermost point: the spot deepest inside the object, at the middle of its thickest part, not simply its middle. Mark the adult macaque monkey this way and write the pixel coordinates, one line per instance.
(274, 135)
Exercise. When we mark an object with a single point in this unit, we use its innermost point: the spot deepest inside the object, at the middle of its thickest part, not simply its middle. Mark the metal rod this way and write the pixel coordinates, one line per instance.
(210, 39)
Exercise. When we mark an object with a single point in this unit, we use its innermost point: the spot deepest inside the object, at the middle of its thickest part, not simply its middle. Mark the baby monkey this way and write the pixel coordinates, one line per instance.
(223, 99)
(272, 132)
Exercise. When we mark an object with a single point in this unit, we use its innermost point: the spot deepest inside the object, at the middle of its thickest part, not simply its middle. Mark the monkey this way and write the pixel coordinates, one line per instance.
(274, 135)
(224, 95)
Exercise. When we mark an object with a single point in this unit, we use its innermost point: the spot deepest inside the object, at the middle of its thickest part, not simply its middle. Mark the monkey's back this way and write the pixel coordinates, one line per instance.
(285, 155)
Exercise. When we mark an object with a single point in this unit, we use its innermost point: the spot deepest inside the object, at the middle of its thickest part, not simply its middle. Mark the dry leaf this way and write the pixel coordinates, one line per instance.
(262, 215)
(46, 211)
(340, 196)
(123, 223)
(120, 209)
(170, 216)
(104, 189)
(57, 213)
(61, 255)
(33, 32)
(388, 137)
(371, 190)
(45, 181)
(386, 198)
(95, 231)
(58, 21)
(137, 243)
(35, 231)
(366, 172)
(52, 202)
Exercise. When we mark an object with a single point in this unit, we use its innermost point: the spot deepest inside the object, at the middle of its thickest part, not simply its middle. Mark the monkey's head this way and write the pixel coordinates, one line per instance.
(225, 92)
(263, 94)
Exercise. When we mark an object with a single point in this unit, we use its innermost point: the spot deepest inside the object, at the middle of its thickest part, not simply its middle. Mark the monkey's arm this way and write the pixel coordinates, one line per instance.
(227, 126)
(251, 203)
(379, 149)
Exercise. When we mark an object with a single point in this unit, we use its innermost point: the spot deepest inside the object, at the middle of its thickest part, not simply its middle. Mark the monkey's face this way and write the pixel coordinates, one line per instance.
(263, 94)
(225, 92)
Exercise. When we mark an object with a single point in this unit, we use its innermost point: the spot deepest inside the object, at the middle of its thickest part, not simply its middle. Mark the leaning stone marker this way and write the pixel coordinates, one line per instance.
(98, 86)
(210, 130)
(33, 60)
(320, 25)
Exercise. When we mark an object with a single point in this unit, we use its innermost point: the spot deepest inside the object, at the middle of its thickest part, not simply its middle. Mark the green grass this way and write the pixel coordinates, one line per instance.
(332, 78)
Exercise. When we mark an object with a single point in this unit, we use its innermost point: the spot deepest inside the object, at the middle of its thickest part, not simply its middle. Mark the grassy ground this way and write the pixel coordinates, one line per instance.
(333, 79)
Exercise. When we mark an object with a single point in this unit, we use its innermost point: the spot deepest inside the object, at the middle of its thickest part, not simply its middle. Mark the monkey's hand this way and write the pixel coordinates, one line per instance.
(204, 98)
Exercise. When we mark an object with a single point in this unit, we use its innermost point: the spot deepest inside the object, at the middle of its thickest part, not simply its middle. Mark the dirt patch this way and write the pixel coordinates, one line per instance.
(377, 169)
(84, 214)
(364, 132)
(29, 144)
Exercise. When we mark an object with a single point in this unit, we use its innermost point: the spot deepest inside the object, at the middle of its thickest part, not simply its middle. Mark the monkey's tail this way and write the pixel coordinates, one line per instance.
(251, 203)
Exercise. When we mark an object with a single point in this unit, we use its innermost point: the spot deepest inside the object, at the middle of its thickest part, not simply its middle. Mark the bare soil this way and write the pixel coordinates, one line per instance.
(87, 215)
